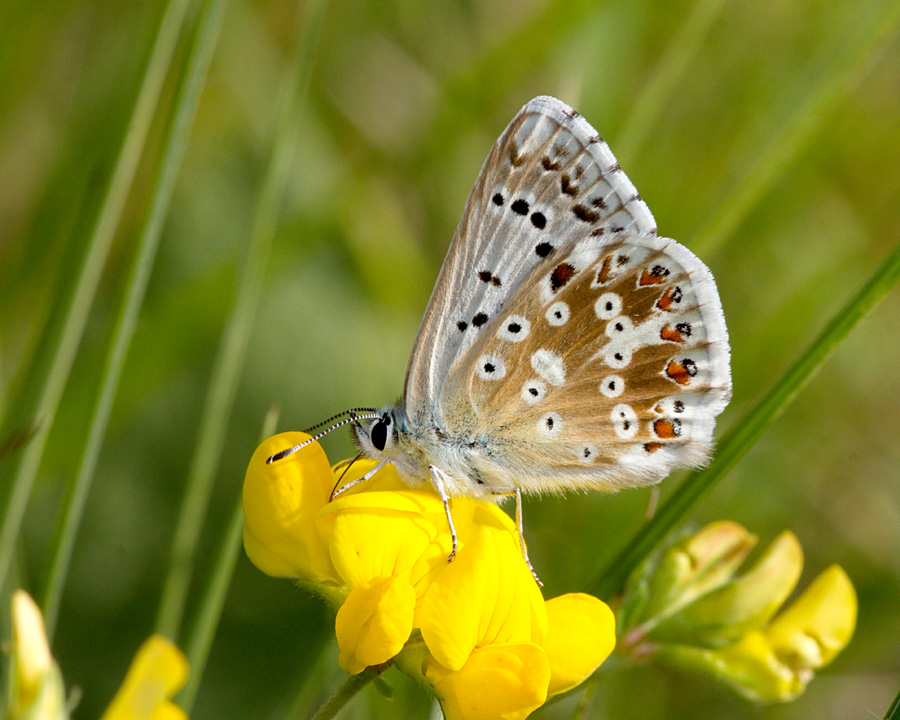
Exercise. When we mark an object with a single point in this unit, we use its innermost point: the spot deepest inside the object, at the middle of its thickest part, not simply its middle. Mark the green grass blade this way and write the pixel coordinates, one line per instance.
(79, 304)
(893, 712)
(185, 106)
(747, 430)
(212, 600)
(839, 79)
(233, 345)
(670, 68)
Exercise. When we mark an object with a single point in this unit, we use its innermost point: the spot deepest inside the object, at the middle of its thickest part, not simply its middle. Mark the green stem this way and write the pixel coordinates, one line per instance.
(206, 33)
(746, 431)
(346, 692)
(212, 600)
(233, 345)
(79, 305)
(893, 712)
(838, 81)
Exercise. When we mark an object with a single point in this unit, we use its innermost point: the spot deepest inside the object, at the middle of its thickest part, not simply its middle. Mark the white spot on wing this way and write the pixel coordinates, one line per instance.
(625, 421)
(612, 386)
(490, 367)
(533, 391)
(608, 305)
(549, 366)
(587, 453)
(514, 329)
(619, 327)
(557, 314)
(550, 424)
(617, 357)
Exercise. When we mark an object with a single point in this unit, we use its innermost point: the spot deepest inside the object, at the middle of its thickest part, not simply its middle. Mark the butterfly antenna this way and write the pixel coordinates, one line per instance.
(351, 411)
(353, 418)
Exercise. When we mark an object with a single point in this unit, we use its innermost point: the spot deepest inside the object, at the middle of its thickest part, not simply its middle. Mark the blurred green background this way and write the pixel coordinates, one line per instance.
(404, 101)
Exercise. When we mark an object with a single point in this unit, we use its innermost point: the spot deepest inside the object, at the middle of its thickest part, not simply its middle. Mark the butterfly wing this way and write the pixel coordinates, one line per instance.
(548, 181)
(606, 368)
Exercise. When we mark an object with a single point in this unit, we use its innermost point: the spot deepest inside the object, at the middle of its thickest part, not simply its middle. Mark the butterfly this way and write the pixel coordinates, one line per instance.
(566, 345)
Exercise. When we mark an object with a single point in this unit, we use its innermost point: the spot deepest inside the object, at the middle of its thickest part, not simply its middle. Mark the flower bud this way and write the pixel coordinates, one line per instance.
(725, 614)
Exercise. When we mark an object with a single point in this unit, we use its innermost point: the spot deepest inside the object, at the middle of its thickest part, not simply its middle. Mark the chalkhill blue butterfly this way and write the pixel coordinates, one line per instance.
(566, 344)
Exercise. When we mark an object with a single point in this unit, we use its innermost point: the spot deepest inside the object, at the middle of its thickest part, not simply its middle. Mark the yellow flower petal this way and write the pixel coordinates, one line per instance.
(505, 682)
(485, 596)
(158, 671)
(280, 504)
(749, 667)
(727, 613)
(374, 622)
(38, 690)
(776, 664)
(695, 566)
(818, 625)
(581, 633)
(377, 540)
(33, 657)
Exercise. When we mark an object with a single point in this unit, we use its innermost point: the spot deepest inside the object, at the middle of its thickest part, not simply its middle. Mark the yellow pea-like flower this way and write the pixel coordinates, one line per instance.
(728, 631)
(280, 504)
(374, 622)
(158, 671)
(476, 629)
(506, 682)
(581, 634)
(37, 690)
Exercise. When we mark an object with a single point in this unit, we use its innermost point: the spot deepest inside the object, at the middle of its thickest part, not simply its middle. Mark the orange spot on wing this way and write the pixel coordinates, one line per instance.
(671, 334)
(654, 276)
(665, 429)
(561, 274)
(669, 297)
(604, 275)
(652, 447)
(681, 372)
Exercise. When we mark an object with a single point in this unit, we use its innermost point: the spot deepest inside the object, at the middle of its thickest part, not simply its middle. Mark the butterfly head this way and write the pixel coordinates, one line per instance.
(376, 436)
(386, 435)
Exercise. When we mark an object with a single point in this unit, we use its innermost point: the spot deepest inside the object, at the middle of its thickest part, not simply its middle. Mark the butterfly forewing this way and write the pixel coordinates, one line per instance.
(606, 368)
(547, 182)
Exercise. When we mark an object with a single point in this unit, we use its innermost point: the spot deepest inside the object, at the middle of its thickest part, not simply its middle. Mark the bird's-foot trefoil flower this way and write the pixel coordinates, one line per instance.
(476, 631)
(157, 672)
(690, 610)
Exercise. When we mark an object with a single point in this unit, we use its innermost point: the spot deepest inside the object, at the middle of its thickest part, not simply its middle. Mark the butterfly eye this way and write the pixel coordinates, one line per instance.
(379, 433)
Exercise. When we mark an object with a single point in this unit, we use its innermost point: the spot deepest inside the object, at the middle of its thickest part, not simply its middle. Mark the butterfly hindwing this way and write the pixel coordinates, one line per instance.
(606, 368)
(548, 179)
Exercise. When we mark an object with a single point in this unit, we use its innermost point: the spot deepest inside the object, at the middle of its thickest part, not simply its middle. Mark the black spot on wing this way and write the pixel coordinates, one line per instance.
(585, 214)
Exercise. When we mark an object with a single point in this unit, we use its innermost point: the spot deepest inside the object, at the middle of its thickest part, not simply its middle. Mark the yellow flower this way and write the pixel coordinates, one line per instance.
(158, 671)
(497, 681)
(581, 634)
(38, 690)
(477, 629)
(722, 626)
(280, 504)
(725, 613)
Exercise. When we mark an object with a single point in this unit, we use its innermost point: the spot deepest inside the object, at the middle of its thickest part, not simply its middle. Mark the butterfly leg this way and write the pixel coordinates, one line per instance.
(338, 490)
(439, 486)
(519, 527)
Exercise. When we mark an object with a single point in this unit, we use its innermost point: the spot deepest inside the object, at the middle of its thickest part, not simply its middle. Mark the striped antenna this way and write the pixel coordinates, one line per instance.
(353, 418)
